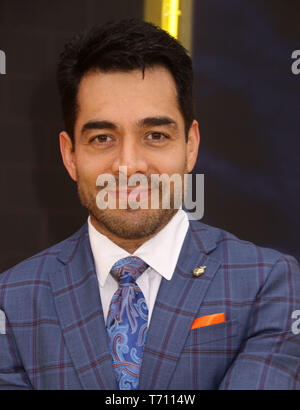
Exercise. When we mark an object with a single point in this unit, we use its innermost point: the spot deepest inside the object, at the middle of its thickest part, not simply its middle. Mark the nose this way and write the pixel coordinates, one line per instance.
(131, 155)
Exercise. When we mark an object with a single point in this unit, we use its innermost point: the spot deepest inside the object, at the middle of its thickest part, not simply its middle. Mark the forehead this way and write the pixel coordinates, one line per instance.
(127, 95)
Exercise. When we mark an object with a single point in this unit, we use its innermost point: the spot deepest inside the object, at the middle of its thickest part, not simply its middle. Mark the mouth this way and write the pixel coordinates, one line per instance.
(132, 194)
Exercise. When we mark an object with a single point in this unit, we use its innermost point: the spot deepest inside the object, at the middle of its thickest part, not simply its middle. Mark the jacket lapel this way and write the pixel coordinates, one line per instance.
(77, 300)
(177, 304)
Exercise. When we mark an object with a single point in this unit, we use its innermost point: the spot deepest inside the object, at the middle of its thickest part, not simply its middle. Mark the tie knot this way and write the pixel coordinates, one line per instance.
(127, 270)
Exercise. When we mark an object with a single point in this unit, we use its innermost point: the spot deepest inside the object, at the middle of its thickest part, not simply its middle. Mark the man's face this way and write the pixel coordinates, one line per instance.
(127, 119)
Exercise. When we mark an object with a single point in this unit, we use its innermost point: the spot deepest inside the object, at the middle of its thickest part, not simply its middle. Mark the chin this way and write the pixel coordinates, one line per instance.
(133, 223)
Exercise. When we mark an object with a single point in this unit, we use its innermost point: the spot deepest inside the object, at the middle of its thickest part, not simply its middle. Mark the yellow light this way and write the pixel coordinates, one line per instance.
(169, 16)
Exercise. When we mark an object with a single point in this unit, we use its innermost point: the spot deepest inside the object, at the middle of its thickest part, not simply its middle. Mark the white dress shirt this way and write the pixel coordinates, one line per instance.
(161, 253)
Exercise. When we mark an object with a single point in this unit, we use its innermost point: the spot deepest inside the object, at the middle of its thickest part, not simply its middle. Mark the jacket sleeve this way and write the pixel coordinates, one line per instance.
(269, 358)
(12, 374)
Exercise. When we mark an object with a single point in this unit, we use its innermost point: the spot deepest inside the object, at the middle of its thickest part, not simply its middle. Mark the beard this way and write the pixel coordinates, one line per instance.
(127, 223)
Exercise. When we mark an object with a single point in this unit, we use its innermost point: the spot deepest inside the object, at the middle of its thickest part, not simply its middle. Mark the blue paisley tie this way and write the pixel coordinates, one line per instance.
(127, 322)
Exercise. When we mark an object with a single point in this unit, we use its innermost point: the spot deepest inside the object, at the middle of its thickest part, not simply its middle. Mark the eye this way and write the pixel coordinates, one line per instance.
(102, 139)
(157, 137)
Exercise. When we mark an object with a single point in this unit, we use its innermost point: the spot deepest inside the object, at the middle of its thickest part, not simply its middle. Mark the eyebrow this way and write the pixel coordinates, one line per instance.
(98, 125)
(156, 121)
(143, 123)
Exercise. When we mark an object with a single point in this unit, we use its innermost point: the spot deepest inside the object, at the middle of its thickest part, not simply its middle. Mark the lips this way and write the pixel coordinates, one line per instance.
(136, 193)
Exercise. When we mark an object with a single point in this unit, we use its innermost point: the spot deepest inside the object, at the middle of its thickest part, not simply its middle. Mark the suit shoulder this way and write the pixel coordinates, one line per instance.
(229, 247)
(38, 264)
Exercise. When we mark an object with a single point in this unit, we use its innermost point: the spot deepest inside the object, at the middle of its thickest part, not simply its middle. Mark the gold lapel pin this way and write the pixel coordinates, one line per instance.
(198, 271)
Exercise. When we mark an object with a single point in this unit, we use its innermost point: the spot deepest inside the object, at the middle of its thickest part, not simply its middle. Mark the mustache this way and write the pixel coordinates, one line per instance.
(148, 181)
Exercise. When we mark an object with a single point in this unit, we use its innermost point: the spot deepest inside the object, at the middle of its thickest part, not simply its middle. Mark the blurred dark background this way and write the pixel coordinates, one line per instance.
(247, 104)
(248, 107)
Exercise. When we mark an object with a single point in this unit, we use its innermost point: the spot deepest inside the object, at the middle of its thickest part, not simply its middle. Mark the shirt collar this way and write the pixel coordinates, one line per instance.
(161, 252)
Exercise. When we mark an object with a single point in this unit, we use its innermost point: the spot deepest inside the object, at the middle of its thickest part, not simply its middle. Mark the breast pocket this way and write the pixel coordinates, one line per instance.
(216, 334)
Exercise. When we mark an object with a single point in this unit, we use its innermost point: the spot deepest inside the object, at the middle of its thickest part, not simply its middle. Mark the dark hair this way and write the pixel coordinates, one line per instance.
(123, 46)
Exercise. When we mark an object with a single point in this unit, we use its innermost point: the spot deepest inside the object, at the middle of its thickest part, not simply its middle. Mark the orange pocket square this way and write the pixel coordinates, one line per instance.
(208, 320)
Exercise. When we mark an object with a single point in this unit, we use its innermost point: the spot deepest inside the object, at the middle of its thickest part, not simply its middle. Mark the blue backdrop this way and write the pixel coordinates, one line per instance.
(247, 104)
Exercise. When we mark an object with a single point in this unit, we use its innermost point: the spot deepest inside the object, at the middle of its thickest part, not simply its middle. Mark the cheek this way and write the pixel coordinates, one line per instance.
(87, 171)
(173, 164)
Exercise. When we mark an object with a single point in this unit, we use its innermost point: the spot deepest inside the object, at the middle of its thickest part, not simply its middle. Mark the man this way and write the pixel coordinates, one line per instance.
(143, 298)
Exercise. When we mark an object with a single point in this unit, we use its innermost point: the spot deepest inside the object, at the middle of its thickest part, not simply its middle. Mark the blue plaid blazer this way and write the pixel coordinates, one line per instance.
(55, 336)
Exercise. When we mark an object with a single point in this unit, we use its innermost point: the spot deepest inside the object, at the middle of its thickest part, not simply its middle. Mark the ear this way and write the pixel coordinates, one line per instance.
(193, 145)
(68, 154)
